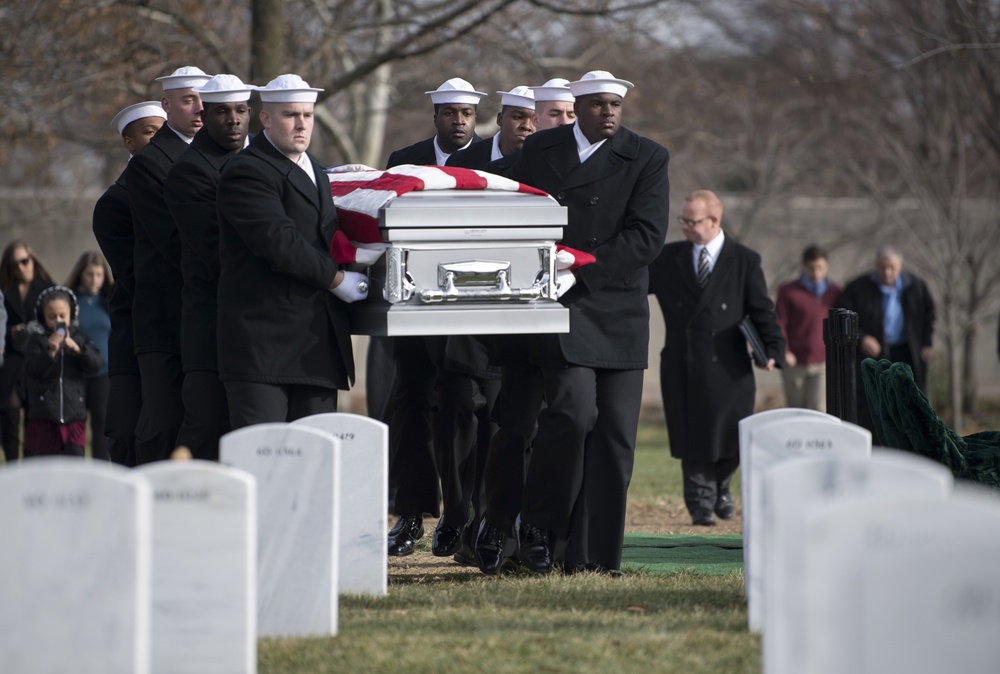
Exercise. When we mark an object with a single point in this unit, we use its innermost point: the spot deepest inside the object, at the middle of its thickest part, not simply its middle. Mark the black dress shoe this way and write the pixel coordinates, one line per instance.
(534, 548)
(702, 518)
(465, 556)
(489, 549)
(724, 507)
(447, 540)
(404, 534)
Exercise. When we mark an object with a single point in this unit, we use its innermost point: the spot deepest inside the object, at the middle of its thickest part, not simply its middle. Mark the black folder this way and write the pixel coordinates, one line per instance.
(750, 333)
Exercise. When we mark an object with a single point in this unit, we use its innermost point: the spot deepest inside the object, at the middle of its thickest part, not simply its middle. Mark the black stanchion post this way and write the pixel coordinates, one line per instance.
(832, 371)
(849, 411)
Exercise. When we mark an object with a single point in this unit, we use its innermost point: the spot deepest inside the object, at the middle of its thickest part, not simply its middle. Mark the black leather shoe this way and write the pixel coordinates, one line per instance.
(465, 556)
(404, 535)
(702, 518)
(534, 548)
(489, 549)
(724, 507)
(447, 540)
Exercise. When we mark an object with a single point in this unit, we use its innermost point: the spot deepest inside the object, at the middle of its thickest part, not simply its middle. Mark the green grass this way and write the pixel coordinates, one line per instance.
(520, 623)
(467, 622)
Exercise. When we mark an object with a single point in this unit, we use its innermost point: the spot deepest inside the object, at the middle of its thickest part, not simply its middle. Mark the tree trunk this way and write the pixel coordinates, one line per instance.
(266, 40)
(969, 379)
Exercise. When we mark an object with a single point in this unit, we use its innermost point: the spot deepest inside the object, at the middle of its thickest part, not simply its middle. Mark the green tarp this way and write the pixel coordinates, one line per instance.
(672, 553)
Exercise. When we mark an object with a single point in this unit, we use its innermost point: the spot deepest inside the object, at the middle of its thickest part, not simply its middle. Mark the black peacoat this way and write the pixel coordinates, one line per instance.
(706, 375)
(476, 156)
(18, 313)
(278, 323)
(420, 153)
(113, 230)
(618, 205)
(156, 307)
(191, 190)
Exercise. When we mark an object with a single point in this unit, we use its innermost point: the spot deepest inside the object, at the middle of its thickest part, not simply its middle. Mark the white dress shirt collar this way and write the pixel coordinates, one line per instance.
(583, 146)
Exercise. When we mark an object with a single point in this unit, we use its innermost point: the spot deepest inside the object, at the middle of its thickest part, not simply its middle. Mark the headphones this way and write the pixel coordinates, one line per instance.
(74, 308)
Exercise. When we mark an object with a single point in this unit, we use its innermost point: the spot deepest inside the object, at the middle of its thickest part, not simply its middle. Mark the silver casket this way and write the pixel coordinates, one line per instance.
(465, 262)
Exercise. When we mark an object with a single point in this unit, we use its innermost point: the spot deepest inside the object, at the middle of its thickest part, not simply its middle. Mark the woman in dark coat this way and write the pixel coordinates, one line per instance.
(22, 279)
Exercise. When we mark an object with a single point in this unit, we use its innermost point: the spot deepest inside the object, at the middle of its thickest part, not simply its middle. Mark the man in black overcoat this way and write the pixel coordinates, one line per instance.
(896, 318)
(705, 286)
(191, 192)
(112, 224)
(156, 307)
(521, 397)
(439, 401)
(614, 184)
(283, 330)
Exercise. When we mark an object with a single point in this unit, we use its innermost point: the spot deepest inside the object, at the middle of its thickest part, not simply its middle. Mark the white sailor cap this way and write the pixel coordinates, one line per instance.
(556, 89)
(184, 78)
(224, 88)
(456, 90)
(137, 111)
(518, 97)
(599, 82)
(288, 88)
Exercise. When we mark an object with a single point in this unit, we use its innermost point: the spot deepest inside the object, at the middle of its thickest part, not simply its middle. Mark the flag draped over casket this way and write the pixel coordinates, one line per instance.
(359, 195)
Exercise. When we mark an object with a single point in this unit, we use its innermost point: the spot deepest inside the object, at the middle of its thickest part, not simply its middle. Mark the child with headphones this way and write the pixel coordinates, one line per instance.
(57, 359)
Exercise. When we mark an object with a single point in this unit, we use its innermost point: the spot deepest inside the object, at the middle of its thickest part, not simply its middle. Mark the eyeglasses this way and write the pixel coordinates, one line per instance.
(24, 262)
(692, 223)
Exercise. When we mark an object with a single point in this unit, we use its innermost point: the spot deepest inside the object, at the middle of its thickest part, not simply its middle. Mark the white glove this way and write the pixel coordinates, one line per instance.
(354, 287)
(564, 259)
(564, 281)
(368, 254)
(349, 168)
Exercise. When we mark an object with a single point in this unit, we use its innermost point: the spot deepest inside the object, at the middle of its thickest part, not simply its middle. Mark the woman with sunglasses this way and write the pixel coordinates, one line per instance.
(22, 279)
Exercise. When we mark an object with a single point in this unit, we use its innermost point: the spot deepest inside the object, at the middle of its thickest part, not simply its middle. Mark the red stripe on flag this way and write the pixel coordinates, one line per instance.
(528, 189)
(341, 249)
(358, 226)
(389, 182)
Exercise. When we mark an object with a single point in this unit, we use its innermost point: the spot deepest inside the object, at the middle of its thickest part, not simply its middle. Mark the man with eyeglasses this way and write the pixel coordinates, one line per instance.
(706, 285)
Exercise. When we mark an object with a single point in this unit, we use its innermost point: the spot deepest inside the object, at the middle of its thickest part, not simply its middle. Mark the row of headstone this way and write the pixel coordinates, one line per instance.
(180, 566)
(868, 560)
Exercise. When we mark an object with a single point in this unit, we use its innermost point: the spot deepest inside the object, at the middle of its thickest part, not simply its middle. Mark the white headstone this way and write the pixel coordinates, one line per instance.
(846, 538)
(364, 495)
(937, 611)
(204, 617)
(747, 426)
(768, 445)
(74, 568)
(297, 470)
(791, 488)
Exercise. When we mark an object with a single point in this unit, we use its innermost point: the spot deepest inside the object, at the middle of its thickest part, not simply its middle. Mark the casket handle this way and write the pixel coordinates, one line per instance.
(484, 280)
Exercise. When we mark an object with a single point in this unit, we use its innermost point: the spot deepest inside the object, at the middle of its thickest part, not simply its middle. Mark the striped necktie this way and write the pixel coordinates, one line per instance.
(703, 267)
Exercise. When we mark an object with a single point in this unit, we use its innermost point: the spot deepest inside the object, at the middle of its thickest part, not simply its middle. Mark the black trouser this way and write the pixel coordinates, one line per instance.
(412, 470)
(254, 403)
(516, 414)
(206, 414)
(10, 429)
(98, 389)
(706, 481)
(581, 460)
(122, 417)
(162, 380)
